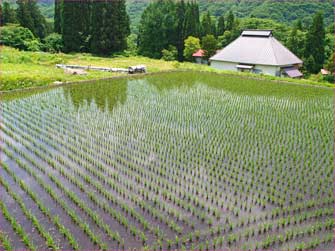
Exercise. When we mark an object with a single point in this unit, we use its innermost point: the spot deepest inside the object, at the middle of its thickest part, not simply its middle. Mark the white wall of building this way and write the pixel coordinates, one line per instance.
(229, 66)
(268, 69)
(220, 65)
(199, 60)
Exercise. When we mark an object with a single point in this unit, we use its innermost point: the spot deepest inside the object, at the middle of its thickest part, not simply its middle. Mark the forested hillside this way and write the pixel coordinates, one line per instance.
(283, 11)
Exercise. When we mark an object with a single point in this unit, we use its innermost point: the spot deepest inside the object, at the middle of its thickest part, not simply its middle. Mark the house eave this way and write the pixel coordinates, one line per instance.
(255, 63)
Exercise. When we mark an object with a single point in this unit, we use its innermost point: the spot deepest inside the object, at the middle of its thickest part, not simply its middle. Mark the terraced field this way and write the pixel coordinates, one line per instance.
(184, 160)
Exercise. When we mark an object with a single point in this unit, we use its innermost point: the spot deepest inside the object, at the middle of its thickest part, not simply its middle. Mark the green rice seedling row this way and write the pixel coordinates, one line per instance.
(185, 160)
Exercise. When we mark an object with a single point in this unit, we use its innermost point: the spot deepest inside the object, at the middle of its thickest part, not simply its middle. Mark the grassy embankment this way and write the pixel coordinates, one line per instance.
(21, 69)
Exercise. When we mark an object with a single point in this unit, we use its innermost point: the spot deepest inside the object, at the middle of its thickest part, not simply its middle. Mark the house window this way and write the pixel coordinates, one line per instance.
(258, 71)
(244, 68)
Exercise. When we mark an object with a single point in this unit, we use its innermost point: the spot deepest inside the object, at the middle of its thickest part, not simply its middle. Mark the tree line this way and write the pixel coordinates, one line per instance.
(174, 30)
(166, 24)
(28, 15)
(100, 27)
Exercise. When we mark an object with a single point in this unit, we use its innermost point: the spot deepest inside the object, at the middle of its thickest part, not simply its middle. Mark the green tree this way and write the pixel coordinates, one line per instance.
(180, 27)
(209, 45)
(132, 49)
(230, 21)
(280, 31)
(315, 43)
(187, 15)
(19, 37)
(24, 16)
(8, 14)
(298, 25)
(192, 20)
(29, 16)
(329, 65)
(110, 27)
(329, 45)
(221, 26)
(225, 39)
(40, 24)
(296, 42)
(58, 16)
(76, 25)
(170, 54)
(230, 35)
(118, 25)
(165, 23)
(98, 43)
(207, 25)
(192, 44)
(310, 65)
(53, 43)
(157, 28)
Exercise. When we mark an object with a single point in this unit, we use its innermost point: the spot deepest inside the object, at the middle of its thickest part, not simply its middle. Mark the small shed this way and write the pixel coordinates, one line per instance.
(199, 57)
(258, 51)
(324, 72)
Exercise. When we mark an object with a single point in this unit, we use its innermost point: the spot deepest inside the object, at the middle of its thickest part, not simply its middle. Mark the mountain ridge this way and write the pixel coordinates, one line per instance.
(283, 11)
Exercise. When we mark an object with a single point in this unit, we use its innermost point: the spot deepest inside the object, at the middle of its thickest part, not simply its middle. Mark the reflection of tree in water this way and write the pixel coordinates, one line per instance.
(167, 81)
(105, 94)
(9, 96)
(186, 80)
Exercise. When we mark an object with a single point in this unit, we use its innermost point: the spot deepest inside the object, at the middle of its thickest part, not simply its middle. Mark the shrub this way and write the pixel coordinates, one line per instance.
(329, 78)
(132, 49)
(19, 37)
(53, 43)
(170, 54)
(209, 45)
(192, 44)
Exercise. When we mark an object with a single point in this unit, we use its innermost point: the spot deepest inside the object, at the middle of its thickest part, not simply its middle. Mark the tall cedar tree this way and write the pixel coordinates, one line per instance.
(76, 25)
(181, 14)
(296, 41)
(315, 44)
(109, 27)
(166, 23)
(29, 16)
(7, 14)
(40, 24)
(157, 28)
(98, 39)
(221, 26)
(230, 21)
(24, 16)
(58, 16)
(209, 45)
(207, 25)
(298, 25)
(191, 25)
(120, 26)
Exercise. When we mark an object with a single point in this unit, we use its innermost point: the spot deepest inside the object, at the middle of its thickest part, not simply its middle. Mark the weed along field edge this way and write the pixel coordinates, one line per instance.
(179, 160)
(23, 69)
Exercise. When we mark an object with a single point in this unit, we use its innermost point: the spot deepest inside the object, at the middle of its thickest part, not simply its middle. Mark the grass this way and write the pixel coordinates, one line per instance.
(21, 69)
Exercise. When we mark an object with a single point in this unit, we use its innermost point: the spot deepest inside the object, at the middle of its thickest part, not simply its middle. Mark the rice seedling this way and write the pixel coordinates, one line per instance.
(5, 241)
(179, 161)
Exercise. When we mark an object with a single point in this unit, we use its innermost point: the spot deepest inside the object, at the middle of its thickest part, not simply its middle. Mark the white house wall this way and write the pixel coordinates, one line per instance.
(220, 65)
(229, 66)
(268, 69)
